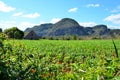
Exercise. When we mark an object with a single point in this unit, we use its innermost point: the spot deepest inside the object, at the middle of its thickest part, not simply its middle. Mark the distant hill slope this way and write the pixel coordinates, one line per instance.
(68, 26)
(41, 30)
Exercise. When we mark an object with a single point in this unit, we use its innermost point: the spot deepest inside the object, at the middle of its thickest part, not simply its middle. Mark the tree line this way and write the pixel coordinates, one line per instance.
(13, 33)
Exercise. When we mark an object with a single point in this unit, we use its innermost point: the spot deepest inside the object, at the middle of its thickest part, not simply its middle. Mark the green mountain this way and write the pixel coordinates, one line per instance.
(68, 26)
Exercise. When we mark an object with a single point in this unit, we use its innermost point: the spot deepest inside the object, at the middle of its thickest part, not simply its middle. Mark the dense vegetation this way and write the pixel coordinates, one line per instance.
(59, 60)
(0, 30)
(14, 32)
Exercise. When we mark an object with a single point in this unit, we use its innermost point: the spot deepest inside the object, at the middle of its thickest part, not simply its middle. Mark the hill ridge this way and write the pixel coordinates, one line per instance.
(68, 26)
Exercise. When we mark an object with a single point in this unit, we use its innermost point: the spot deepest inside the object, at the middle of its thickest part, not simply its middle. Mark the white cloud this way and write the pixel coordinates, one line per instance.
(17, 14)
(114, 18)
(93, 5)
(7, 24)
(54, 20)
(87, 24)
(73, 10)
(5, 8)
(22, 25)
(114, 26)
(35, 15)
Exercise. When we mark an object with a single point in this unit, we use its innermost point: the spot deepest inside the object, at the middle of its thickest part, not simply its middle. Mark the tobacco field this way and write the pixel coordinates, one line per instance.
(60, 60)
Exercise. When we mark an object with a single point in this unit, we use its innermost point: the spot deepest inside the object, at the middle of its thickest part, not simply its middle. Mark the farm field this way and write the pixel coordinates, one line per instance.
(62, 59)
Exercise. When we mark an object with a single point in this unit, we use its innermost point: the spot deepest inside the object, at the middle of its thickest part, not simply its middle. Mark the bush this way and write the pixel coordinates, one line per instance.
(3, 37)
(14, 33)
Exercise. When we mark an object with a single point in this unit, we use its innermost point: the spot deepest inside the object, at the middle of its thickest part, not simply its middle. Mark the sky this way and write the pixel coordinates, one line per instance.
(88, 13)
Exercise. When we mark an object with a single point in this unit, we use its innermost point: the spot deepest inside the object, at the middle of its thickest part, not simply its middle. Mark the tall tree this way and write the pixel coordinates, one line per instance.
(14, 32)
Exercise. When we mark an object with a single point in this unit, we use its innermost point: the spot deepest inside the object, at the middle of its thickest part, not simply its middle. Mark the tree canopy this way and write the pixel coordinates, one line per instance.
(14, 32)
(0, 30)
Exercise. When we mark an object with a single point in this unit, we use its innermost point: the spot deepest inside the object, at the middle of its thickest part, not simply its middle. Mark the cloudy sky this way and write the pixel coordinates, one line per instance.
(27, 13)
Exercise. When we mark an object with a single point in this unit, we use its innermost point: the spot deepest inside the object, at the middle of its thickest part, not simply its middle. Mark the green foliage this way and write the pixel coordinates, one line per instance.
(14, 33)
(116, 50)
(3, 37)
(59, 60)
(0, 30)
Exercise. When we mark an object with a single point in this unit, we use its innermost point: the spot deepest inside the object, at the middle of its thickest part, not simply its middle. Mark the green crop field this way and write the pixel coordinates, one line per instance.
(61, 59)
